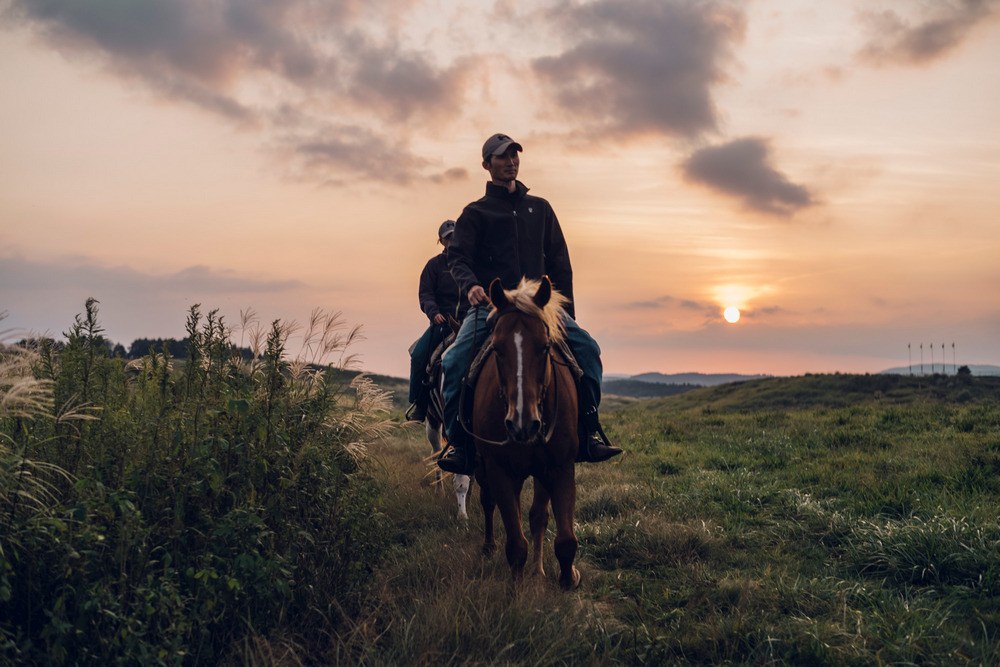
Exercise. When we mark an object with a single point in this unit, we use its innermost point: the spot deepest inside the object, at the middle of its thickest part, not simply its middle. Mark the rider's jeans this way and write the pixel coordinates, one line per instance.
(420, 355)
(458, 357)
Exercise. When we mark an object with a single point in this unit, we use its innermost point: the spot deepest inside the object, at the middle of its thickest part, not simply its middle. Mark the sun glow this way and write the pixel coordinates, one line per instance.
(732, 314)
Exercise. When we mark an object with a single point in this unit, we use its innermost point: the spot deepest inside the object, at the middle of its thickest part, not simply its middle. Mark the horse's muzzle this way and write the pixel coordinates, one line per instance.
(527, 435)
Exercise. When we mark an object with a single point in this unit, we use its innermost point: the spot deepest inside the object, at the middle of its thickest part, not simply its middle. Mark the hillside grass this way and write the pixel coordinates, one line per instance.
(816, 520)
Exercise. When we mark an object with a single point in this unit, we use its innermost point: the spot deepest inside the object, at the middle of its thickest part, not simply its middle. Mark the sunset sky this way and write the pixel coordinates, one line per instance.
(831, 169)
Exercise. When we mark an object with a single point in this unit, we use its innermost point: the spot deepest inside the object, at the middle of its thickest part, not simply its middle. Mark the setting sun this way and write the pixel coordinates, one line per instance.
(732, 314)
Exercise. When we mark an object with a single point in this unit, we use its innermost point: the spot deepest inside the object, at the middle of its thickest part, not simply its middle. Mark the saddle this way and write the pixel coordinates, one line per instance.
(434, 363)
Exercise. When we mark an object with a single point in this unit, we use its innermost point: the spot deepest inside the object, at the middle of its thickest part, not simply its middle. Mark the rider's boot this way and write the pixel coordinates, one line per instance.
(460, 459)
(594, 444)
(417, 412)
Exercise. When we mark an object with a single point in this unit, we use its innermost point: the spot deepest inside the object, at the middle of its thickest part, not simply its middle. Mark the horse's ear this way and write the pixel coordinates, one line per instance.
(454, 324)
(544, 292)
(497, 295)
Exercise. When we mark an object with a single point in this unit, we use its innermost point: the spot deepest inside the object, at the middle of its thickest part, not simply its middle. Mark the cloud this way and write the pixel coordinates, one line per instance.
(212, 43)
(26, 276)
(894, 40)
(451, 175)
(642, 66)
(403, 84)
(668, 302)
(356, 150)
(273, 66)
(742, 168)
(44, 296)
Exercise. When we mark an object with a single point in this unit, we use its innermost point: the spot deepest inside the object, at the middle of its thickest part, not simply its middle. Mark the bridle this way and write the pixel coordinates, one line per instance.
(551, 376)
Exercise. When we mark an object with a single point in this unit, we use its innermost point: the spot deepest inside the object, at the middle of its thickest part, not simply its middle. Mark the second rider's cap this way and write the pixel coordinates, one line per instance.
(447, 227)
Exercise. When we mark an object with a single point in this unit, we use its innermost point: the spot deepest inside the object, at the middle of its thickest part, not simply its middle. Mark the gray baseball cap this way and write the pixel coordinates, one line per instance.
(498, 144)
(446, 229)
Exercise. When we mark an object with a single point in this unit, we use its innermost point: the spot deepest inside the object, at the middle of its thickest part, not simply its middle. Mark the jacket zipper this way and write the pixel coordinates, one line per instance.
(517, 248)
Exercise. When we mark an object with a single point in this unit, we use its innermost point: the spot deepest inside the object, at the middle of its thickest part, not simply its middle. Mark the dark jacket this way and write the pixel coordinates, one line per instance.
(438, 290)
(510, 235)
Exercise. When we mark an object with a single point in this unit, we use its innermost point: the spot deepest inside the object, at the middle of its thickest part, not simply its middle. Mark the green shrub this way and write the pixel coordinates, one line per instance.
(160, 511)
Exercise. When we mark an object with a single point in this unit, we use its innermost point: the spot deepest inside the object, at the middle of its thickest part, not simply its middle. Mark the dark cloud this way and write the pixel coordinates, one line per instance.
(356, 150)
(209, 42)
(644, 65)
(894, 40)
(403, 84)
(742, 168)
(312, 58)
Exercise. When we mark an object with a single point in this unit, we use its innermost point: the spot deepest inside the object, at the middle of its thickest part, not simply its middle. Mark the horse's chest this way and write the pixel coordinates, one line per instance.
(520, 462)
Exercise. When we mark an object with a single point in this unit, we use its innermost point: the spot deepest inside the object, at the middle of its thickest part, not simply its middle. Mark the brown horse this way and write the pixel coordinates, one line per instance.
(525, 424)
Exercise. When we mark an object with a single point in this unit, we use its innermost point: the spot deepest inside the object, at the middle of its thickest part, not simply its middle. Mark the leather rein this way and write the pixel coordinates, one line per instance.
(550, 369)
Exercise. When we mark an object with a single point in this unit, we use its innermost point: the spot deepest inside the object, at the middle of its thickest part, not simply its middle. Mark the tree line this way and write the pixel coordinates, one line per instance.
(140, 347)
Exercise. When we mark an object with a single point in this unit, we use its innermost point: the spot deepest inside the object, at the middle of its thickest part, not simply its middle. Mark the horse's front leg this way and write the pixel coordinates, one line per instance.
(563, 492)
(488, 504)
(507, 493)
(538, 519)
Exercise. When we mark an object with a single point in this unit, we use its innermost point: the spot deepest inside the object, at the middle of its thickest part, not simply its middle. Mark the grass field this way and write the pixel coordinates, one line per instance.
(814, 520)
(219, 509)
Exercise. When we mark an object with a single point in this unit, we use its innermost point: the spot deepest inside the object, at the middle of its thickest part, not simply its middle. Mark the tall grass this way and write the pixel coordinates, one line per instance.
(185, 511)
(849, 531)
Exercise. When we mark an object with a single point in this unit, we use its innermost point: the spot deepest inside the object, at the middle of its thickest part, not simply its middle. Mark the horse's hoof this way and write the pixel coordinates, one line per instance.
(574, 582)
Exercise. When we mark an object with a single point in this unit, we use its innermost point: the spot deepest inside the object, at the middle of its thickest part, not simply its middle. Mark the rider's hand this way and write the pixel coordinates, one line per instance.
(439, 319)
(477, 296)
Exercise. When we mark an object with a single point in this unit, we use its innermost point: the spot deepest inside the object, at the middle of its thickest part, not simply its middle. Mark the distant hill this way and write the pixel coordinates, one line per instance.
(977, 369)
(638, 389)
(698, 379)
(837, 391)
(653, 385)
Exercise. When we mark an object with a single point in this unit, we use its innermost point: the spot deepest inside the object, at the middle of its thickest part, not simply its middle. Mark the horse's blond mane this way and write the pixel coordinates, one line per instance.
(522, 298)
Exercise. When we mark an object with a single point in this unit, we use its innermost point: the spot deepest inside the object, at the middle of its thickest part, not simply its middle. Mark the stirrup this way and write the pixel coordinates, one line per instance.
(415, 413)
(596, 448)
(459, 460)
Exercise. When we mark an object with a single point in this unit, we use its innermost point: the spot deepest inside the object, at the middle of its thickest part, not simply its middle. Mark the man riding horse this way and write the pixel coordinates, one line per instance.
(439, 298)
(509, 235)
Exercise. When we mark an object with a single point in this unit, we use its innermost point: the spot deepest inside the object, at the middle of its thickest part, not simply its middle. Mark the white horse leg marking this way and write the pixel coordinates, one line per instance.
(518, 340)
(461, 492)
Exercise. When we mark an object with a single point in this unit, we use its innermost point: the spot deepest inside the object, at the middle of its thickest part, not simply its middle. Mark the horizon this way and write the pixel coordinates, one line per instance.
(755, 188)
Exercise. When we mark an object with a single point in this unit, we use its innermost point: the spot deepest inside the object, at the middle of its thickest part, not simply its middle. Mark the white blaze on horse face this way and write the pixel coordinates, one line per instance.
(518, 341)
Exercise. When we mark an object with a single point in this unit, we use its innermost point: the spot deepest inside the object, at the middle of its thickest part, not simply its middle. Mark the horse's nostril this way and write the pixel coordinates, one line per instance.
(511, 429)
(534, 428)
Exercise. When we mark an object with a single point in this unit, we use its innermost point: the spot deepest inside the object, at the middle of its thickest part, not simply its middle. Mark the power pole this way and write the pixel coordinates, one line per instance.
(909, 358)
(921, 358)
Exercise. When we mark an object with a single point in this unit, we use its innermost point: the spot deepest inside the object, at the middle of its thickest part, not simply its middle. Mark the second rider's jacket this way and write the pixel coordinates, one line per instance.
(510, 235)
(438, 292)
